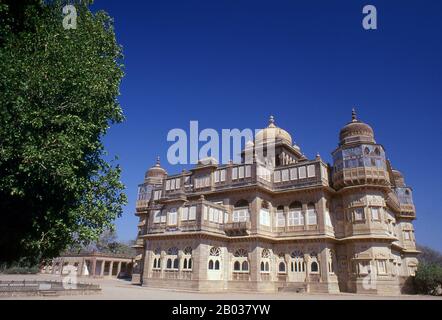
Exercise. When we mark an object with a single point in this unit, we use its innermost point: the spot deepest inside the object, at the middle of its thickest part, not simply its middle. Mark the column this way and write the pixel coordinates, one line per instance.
(119, 269)
(111, 267)
(94, 266)
(103, 263)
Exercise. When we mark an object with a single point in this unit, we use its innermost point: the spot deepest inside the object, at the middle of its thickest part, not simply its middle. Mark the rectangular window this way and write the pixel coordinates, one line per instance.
(157, 216)
(220, 216)
(359, 214)
(177, 183)
(248, 171)
(375, 215)
(157, 195)
(285, 175)
(192, 213)
(277, 176)
(216, 176)
(382, 266)
(299, 218)
(226, 217)
(364, 267)
(205, 212)
(311, 171)
(311, 216)
(211, 214)
(223, 175)
(302, 173)
(280, 218)
(294, 174)
(240, 215)
(264, 217)
(172, 220)
(167, 185)
(172, 184)
(234, 173)
(241, 172)
(184, 213)
(407, 235)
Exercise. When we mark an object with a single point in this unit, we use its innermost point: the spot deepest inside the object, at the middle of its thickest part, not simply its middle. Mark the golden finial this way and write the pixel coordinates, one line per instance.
(353, 115)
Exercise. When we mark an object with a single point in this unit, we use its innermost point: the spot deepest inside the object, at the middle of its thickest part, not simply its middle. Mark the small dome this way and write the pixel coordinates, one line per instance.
(356, 131)
(398, 178)
(273, 132)
(156, 171)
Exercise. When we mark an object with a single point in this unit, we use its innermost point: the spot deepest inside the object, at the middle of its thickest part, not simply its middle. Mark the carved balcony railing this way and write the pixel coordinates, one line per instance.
(236, 228)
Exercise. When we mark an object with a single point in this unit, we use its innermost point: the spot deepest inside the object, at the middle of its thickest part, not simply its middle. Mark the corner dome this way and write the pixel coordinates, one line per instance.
(156, 171)
(356, 131)
(272, 132)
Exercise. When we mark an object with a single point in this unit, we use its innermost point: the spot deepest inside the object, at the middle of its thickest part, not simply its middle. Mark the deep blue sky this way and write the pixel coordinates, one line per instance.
(231, 64)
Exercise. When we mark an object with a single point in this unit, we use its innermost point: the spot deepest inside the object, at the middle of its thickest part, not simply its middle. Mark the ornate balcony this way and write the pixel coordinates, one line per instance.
(360, 175)
(237, 228)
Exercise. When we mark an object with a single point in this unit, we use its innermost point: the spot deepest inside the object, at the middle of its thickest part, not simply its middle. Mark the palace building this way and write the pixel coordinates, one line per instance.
(280, 223)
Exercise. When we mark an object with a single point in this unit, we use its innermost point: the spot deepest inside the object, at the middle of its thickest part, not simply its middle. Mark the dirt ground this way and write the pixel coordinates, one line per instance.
(113, 289)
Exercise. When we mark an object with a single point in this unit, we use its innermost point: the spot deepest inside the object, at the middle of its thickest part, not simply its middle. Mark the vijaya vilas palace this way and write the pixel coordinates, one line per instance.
(284, 224)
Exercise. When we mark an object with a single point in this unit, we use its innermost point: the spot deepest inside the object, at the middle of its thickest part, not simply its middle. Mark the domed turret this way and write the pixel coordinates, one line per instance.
(356, 131)
(156, 173)
(273, 134)
(398, 178)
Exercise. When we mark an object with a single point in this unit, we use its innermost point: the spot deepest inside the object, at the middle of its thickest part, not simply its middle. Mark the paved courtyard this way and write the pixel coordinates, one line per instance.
(113, 289)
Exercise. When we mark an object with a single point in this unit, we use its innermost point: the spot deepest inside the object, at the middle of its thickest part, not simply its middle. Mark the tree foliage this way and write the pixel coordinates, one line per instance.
(428, 279)
(429, 256)
(58, 97)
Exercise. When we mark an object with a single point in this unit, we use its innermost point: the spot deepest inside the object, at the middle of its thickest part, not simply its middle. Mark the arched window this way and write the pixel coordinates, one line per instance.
(265, 253)
(172, 251)
(155, 263)
(297, 257)
(217, 265)
(262, 266)
(267, 267)
(240, 253)
(215, 252)
(172, 259)
(240, 259)
(281, 267)
(312, 218)
(211, 267)
(187, 265)
(314, 267)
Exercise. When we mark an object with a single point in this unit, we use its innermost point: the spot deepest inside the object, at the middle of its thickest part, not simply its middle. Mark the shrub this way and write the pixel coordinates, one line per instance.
(428, 279)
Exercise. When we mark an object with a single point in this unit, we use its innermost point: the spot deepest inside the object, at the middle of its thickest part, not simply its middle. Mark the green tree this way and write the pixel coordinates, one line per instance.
(428, 279)
(58, 97)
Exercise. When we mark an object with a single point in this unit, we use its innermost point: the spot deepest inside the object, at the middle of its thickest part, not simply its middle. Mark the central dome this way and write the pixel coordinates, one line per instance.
(272, 132)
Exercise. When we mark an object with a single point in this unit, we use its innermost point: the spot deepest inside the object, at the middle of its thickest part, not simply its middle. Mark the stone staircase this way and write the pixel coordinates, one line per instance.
(298, 287)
